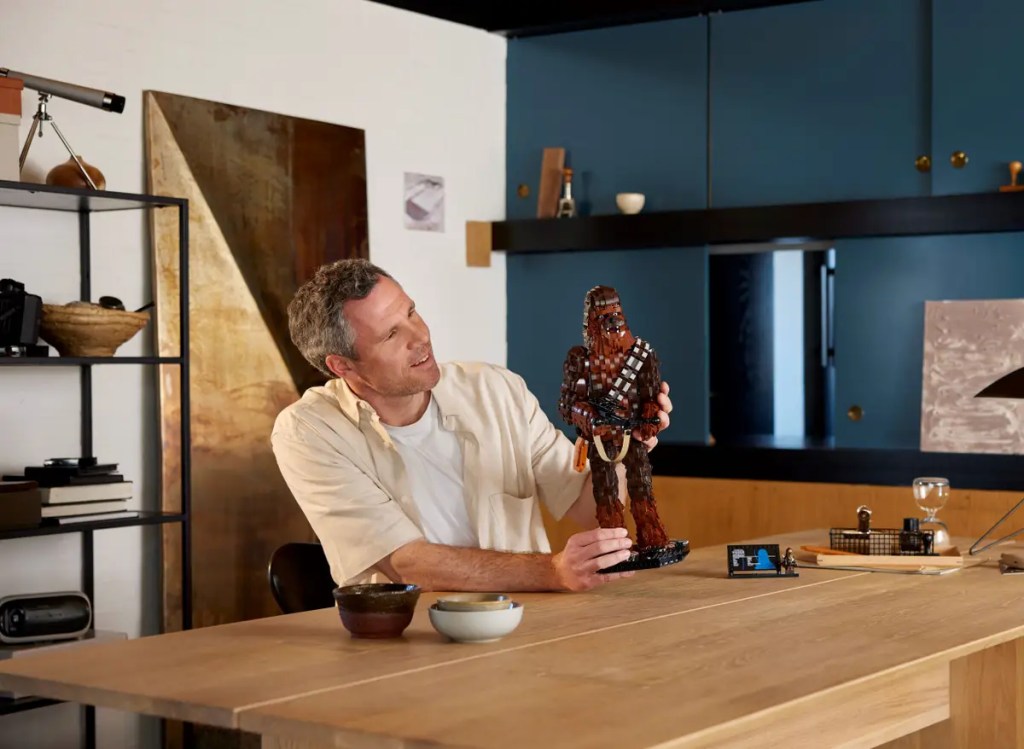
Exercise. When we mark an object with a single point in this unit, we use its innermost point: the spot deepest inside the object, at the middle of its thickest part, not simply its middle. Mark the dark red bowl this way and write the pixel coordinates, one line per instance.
(376, 610)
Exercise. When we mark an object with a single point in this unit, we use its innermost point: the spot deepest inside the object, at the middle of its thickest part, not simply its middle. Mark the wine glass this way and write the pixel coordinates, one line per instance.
(931, 494)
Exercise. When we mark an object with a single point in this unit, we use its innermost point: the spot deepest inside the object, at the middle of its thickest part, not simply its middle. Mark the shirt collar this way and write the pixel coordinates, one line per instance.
(356, 409)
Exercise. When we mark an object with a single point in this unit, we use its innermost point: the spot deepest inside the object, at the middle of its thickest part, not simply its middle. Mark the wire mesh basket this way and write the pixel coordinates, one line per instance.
(882, 541)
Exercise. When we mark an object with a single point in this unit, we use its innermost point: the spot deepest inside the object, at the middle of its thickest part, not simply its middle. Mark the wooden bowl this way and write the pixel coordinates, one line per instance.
(376, 610)
(84, 329)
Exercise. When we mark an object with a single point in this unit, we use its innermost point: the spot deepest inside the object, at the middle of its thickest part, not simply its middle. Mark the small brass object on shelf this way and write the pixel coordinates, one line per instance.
(1015, 167)
(958, 159)
(923, 163)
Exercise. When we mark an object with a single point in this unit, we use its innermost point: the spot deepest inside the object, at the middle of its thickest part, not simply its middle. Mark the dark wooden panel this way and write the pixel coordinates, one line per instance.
(529, 19)
(271, 198)
(952, 214)
(278, 187)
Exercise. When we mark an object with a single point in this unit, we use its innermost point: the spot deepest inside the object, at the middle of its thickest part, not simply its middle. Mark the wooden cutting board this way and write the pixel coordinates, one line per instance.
(879, 561)
(551, 167)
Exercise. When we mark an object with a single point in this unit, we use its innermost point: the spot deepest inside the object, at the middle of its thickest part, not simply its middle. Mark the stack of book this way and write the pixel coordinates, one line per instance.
(78, 490)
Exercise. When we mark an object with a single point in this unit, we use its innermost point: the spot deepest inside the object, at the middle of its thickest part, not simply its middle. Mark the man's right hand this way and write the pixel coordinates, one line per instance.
(578, 566)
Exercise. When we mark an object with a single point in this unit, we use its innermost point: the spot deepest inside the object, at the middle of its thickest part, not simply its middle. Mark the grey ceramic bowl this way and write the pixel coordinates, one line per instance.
(476, 626)
(376, 610)
(473, 602)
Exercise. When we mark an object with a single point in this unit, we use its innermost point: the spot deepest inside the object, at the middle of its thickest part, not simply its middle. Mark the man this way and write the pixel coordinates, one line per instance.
(425, 473)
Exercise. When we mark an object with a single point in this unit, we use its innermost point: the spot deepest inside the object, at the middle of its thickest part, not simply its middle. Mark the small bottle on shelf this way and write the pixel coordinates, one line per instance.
(566, 204)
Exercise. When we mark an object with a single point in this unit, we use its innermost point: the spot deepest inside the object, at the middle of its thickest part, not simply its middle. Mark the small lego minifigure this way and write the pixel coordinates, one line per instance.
(787, 565)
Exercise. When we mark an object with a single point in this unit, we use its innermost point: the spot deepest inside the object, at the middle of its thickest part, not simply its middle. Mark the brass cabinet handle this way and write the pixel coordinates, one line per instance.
(923, 163)
(958, 159)
(855, 413)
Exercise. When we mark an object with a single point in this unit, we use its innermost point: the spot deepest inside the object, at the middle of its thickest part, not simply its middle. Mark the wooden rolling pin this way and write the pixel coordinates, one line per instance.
(826, 550)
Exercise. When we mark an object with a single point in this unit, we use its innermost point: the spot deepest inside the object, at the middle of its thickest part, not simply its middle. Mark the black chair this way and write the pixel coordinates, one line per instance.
(300, 578)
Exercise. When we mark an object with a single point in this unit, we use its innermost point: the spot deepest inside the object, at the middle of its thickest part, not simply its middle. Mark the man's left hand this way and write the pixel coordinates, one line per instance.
(665, 404)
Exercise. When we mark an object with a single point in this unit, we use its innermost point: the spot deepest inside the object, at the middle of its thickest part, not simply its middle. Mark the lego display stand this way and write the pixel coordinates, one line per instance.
(649, 559)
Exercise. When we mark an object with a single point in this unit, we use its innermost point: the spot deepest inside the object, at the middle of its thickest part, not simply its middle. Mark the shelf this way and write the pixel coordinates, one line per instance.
(77, 361)
(529, 19)
(144, 518)
(950, 214)
(9, 706)
(837, 465)
(49, 198)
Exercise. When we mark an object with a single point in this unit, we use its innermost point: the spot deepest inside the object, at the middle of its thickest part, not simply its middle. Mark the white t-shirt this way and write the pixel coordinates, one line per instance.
(433, 464)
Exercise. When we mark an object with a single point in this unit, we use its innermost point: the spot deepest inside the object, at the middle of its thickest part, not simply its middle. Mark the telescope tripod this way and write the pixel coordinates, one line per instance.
(43, 116)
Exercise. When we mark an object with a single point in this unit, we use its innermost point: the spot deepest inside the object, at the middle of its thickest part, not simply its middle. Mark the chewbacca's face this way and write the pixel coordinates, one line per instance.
(605, 319)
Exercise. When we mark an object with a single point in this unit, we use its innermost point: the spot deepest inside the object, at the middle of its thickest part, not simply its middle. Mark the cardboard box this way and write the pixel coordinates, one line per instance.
(10, 146)
(10, 96)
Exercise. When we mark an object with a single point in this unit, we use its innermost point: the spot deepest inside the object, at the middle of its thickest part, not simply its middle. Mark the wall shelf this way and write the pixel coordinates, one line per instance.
(77, 361)
(144, 518)
(50, 198)
(10, 706)
(827, 465)
(895, 217)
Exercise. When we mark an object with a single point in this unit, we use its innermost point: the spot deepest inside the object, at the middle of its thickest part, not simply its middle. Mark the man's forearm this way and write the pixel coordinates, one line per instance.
(437, 567)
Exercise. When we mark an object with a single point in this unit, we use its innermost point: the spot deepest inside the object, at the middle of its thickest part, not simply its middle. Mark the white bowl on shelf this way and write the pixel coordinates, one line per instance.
(476, 626)
(630, 202)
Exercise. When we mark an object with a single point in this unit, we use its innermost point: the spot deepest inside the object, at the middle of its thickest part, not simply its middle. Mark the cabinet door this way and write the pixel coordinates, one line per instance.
(664, 297)
(978, 73)
(881, 287)
(818, 101)
(629, 106)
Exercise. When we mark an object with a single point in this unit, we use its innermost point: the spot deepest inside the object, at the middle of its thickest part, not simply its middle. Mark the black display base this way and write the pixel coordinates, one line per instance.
(649, 559)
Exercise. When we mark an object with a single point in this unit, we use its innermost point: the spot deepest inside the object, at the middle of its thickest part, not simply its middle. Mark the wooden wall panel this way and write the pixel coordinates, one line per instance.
(716, 511)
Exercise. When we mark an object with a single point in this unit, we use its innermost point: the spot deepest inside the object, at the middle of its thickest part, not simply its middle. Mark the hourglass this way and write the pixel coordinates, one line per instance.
(931, 494)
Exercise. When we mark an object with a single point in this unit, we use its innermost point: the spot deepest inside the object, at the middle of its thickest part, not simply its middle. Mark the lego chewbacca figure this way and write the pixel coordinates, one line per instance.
(609, 389)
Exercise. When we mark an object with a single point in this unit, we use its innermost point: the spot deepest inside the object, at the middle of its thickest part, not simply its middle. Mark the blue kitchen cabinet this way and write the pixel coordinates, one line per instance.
(819, 101)
(881, 286)
(629, 106)
(978, 73)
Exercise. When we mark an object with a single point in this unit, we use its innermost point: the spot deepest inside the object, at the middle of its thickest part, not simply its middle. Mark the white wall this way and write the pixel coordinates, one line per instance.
(431, 98)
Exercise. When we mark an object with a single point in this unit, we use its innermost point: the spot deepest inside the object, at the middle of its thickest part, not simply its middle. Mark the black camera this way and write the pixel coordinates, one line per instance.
(20, 314)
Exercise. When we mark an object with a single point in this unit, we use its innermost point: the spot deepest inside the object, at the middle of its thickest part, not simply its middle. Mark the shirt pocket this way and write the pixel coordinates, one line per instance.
(512, 523)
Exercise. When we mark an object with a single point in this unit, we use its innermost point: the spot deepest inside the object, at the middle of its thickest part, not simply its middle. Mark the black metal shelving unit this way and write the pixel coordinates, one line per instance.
(84, 203)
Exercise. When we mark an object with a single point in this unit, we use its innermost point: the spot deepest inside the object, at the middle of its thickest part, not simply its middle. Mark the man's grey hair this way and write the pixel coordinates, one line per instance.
(316, 317)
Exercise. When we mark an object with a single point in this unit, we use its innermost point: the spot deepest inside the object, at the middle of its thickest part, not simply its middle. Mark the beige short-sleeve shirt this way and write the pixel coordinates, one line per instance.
(345, 473)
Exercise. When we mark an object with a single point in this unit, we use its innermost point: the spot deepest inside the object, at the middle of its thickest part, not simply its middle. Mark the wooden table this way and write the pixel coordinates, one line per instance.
(679, 657)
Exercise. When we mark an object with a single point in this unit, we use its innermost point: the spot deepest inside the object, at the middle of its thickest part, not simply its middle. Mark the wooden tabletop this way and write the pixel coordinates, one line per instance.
(681, 655)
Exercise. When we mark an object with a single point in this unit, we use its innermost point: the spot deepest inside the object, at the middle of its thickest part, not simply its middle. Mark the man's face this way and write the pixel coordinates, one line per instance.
(392, 343)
